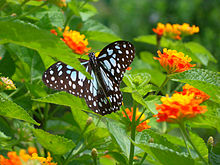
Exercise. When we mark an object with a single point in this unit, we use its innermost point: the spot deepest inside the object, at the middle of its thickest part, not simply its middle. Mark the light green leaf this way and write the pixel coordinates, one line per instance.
(64, 98)
(204, 80)
(96, 31)
(152, 39)
(211, 118)
(119, 133)
(201, 52)
(43, 41)
(200, 144)
(54, 143)
(12, 110)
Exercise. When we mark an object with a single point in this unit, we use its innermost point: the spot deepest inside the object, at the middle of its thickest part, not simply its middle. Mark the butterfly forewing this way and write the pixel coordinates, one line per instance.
(116, 58)
(63, 77)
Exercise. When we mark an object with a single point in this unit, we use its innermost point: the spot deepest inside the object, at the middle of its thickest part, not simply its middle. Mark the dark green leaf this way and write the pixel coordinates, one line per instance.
(204, 80)
(43, 41)
(12, 110)
(54, 143)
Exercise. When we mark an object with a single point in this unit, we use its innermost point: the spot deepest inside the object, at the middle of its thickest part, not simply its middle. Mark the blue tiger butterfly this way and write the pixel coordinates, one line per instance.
(102, 93)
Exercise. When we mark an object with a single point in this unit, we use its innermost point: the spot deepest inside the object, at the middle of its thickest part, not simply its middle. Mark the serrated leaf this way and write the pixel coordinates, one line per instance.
(43, 41)
(119, 133)
(165, 155)
(199, 143)
(54, 143)
(204, 80)
(201, 52)
(12, 110)
(96, 31)
(211, 118)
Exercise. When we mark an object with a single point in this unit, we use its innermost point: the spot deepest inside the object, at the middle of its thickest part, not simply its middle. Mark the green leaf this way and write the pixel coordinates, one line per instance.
(54, 143)
(152, 39)
(54, 15)
(43, 41)
(165, 155)
(77, 105)
(211, 118)
(204, 80)
(12, 110)
(201, 52)
(94, 30)
(119, 133)
(64, 98)
(200, 144)
(161, 149)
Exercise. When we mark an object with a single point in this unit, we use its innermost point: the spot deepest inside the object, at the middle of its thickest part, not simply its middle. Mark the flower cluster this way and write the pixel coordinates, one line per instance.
(74, 40)
(181, 105)
(175, 31)
(173, 61)
(143, 125)
(26, 158)
(199, 95)
(6, 84)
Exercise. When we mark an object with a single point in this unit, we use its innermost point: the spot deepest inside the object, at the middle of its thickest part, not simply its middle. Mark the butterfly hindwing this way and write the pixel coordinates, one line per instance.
(63, 77)
(116, 58)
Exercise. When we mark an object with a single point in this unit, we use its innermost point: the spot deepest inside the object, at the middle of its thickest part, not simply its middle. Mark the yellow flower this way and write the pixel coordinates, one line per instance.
(6, 84)
(173, 61)
(24, 158)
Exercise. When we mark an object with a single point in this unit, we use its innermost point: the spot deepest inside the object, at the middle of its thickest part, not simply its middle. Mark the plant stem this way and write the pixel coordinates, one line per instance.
(182, 127)
(68, 157)
(163, 84)
(133, 129)
(95, 161)
(144, 157)
(184, 138)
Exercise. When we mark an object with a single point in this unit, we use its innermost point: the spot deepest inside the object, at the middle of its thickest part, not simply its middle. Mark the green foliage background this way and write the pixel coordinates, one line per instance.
(34, 115)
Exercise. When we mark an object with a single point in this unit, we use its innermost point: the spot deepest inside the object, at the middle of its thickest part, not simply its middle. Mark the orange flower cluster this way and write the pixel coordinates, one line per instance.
(60, 3)
(6, 84)
(173, 61)
(142, 126)
(74, 40)
(24, 158)
(199, 95)
(175, 31)
(182, 105)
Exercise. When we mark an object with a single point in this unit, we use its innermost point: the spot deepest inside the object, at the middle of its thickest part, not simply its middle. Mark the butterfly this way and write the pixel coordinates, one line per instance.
(102, 93)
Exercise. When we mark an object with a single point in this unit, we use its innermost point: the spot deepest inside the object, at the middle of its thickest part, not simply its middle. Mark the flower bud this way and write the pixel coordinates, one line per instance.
(151, 140)
(89, 121)
(210, 141)
(94, 153)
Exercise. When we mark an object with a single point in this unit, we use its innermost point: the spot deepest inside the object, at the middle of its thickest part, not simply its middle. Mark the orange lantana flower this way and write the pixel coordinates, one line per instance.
(179, 107)
(199, 95)
(74, 40)
(142, 126)
(175, 31)
(23, 158)
(173, 61)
